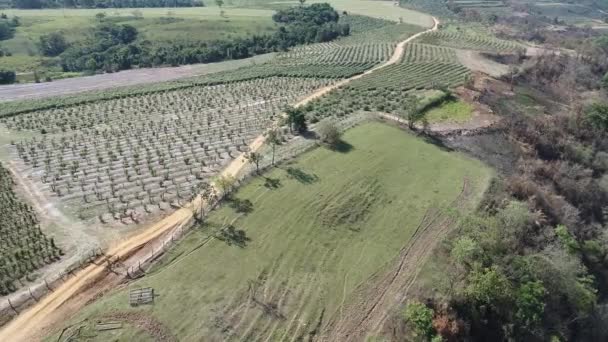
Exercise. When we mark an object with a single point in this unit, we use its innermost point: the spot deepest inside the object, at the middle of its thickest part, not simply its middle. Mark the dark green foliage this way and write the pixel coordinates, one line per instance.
(30, 4)
(420, 318)
(597, 114)
(314, 14)
(116, 47)
(296, 119)
(23, 247)
(52, 44)
(7, 76)
(530, 303)
(7, 27)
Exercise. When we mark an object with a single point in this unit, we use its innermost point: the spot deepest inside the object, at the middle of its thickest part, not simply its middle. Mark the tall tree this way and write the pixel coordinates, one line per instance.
(273, 137)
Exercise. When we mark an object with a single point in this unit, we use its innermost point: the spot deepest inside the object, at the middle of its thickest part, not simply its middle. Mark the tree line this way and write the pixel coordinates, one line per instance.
(37, 4)
(112, 47)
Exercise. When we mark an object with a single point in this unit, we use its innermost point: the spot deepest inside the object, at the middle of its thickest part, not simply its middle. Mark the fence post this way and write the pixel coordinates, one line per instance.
(11, 304)
(31, 294)
(47, 285)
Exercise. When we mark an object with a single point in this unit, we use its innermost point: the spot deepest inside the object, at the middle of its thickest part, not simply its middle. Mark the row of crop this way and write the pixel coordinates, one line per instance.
(162, 105)
(416, 52)
(469, 41)
(23, 246)
(406, 76)
(125, 158)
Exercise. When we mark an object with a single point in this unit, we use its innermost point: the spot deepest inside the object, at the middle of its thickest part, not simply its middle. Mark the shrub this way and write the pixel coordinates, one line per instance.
(421, 319)
(7, 76)
(329, 133)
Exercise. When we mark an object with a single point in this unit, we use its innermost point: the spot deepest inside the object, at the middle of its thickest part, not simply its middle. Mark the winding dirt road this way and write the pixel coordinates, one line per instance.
(27, 326)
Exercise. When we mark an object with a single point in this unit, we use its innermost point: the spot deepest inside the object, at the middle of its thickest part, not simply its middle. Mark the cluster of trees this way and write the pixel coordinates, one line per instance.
(32, 4)
(7, 26)
(532, 263)
(112, 47)
(7, 76)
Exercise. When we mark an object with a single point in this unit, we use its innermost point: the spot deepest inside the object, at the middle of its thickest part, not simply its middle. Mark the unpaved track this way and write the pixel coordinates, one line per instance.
(27, 326)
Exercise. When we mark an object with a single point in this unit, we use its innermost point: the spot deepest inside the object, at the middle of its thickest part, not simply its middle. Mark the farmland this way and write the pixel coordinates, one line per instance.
(126, 158)
(470, 40)
(23, 247)
(284, 276)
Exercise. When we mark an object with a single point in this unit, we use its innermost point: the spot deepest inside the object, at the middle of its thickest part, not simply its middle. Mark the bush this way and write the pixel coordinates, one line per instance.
(7, 77)
(52, 44)
(421, 319)
(328, 133)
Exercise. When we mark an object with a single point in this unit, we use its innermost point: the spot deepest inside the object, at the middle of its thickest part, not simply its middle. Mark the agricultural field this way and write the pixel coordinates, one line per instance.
(467, 38)
(23, 248)
(422, 68)
(286, 276)
(119, 160)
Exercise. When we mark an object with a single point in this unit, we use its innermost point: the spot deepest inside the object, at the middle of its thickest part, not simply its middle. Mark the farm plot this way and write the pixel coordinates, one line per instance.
(469, 41)
(317, 229)
(421, 68)
(23, 247)
(415, 52)
(407, 76)
(122, 159)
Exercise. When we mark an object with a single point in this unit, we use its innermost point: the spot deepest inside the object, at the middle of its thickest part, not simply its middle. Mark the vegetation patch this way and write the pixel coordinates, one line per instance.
(450, 111)
(23, 248)
(350, 206)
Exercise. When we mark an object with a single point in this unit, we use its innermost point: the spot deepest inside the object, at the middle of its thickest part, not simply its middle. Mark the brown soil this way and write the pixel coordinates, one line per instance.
(147, 323)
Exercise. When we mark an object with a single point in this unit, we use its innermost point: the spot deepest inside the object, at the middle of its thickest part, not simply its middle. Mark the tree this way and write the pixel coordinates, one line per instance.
(412, 112)
(301, 2)
(421, 319)
(530, 303)
(100, 16)
(254, 158)
(296, 119)
(488, 286)
(566, 239)
(207, 193)
(52, 44)
(7, 76)
(225, 184)
(597, 115)
(219, 4)
(329, 133)
(465, 250)
(273, 137)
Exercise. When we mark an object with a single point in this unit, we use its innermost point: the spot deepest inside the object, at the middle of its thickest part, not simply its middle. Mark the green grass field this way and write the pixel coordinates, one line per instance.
(450, 111)
(155, 24)
(319, 226)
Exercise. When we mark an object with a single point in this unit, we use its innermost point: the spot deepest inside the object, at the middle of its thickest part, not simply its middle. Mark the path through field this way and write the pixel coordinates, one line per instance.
(30, 324)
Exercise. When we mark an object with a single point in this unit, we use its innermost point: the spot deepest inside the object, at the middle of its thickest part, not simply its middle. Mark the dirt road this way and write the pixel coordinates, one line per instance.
(27, 326)
(119, 79)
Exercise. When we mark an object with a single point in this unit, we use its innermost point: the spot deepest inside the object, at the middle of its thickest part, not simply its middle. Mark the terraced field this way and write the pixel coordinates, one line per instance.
(125, 158)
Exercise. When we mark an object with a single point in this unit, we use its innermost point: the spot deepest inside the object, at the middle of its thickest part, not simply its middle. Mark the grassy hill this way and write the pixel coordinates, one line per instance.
(330, 220)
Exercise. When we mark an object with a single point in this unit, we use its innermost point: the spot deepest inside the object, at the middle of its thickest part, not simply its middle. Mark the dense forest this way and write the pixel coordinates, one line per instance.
(33, 4)
(112, 47)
